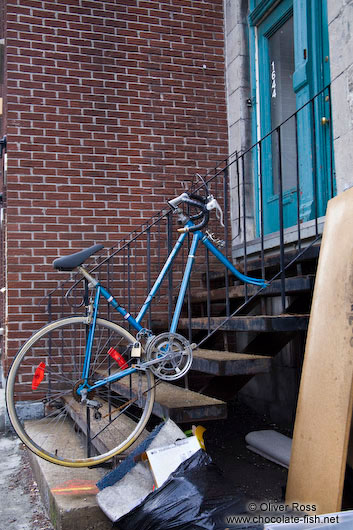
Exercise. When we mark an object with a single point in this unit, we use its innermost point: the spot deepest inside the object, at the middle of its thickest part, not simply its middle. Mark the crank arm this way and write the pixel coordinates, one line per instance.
(146, 364)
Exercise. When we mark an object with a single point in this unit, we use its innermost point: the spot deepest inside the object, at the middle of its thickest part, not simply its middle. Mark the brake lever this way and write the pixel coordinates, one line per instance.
(212, 204)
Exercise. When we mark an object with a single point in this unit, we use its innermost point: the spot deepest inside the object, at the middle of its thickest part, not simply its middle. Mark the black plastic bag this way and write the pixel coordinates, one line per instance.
(197, 496)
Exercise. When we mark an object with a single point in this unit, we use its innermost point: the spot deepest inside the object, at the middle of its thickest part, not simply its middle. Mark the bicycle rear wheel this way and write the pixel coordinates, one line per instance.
(45, 409)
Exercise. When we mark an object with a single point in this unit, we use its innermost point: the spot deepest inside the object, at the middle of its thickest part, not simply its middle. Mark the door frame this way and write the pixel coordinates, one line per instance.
(311, 75)
(270, 199)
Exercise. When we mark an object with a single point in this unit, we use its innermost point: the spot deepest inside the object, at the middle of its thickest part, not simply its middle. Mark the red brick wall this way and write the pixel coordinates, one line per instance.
(110, 104)
(2, 160)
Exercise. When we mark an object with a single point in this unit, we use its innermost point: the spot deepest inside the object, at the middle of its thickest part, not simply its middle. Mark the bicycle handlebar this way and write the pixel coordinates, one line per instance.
(174, 203)
(204, 214)
(197, 202)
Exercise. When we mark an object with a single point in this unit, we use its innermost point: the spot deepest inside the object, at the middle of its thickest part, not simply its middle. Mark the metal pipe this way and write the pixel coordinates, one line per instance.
(281, 219)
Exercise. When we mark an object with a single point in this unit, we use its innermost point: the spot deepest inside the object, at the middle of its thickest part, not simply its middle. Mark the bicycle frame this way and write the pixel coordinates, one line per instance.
(198, 237)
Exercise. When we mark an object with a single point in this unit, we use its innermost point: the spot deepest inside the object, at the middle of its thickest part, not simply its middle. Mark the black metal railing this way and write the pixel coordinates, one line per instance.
(273, 196)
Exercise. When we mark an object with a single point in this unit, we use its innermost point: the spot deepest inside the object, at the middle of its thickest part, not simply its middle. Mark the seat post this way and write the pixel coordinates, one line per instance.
(87, 275)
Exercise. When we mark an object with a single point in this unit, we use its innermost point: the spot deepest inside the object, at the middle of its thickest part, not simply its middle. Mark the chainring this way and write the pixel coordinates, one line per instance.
(175, 353)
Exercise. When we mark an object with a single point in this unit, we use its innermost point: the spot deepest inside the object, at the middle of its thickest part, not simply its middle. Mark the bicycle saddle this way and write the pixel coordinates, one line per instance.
(69, 263)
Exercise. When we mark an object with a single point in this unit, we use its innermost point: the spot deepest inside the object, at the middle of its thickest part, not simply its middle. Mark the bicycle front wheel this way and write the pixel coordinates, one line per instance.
(48, 414)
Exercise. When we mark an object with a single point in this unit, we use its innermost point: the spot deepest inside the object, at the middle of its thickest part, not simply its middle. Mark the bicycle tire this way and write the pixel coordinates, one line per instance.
(48, 416)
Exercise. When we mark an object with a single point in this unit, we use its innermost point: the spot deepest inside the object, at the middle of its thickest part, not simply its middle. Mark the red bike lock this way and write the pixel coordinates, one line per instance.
(118, 358)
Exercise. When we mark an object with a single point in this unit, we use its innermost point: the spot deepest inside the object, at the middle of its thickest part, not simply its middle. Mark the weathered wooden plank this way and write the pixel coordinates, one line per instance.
(254, 263)
(259, 323)
(293, 285)
(226, 363)
(179, 404)
(324, 409)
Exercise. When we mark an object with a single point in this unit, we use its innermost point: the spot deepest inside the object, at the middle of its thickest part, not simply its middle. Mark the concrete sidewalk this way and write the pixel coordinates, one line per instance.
(21, 505)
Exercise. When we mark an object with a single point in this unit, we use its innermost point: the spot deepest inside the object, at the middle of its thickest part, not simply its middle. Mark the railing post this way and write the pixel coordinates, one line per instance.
(238, 190)
(297, 182)
(149, 273)
(50, 345)
(314, 155)
(208, 287)
(244, 224)
(332, 184)
(49, 307)
(262, 231)
(170, 273)
(281, 220)
(226, 233)
(128, 278)
(109, 263)
(86, 293)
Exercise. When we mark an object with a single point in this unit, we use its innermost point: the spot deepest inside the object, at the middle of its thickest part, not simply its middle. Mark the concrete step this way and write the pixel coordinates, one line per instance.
(294, 285)
(179, 404)
(69, 494)
(227, 363)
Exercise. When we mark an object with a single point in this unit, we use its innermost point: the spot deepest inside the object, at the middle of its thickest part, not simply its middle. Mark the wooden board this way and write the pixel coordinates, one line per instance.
(179, 404)
(295, 284)
(226, 363)
(259, 323)
(324, 410)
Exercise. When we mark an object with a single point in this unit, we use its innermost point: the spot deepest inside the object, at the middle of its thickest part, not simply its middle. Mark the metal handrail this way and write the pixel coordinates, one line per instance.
(137, 256)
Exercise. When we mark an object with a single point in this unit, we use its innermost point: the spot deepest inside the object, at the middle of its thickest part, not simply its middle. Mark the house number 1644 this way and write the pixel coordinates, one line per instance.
(273, 80)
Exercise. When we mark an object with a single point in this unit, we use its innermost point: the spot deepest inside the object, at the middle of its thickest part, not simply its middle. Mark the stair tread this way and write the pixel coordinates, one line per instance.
(223, 363)
(220, 356)
(180, 404)
(254, 317)
(294, 284)
(177, 397)
(286, 322)
(255, 263)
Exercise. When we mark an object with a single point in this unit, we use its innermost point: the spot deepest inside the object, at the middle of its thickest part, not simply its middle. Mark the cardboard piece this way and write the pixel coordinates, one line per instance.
(165, 460)
(324, 410)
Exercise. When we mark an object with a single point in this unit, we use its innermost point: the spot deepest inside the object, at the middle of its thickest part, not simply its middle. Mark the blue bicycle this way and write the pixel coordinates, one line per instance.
(90, 376)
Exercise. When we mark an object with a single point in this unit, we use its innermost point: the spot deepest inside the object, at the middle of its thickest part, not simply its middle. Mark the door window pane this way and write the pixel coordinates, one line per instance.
(283, 104)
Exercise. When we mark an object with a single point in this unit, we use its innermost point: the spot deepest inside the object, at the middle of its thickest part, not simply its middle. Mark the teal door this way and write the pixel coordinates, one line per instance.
(291, 67)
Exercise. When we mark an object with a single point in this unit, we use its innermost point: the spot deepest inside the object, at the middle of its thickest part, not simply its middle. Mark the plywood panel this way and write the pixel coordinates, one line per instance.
(324, 411)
